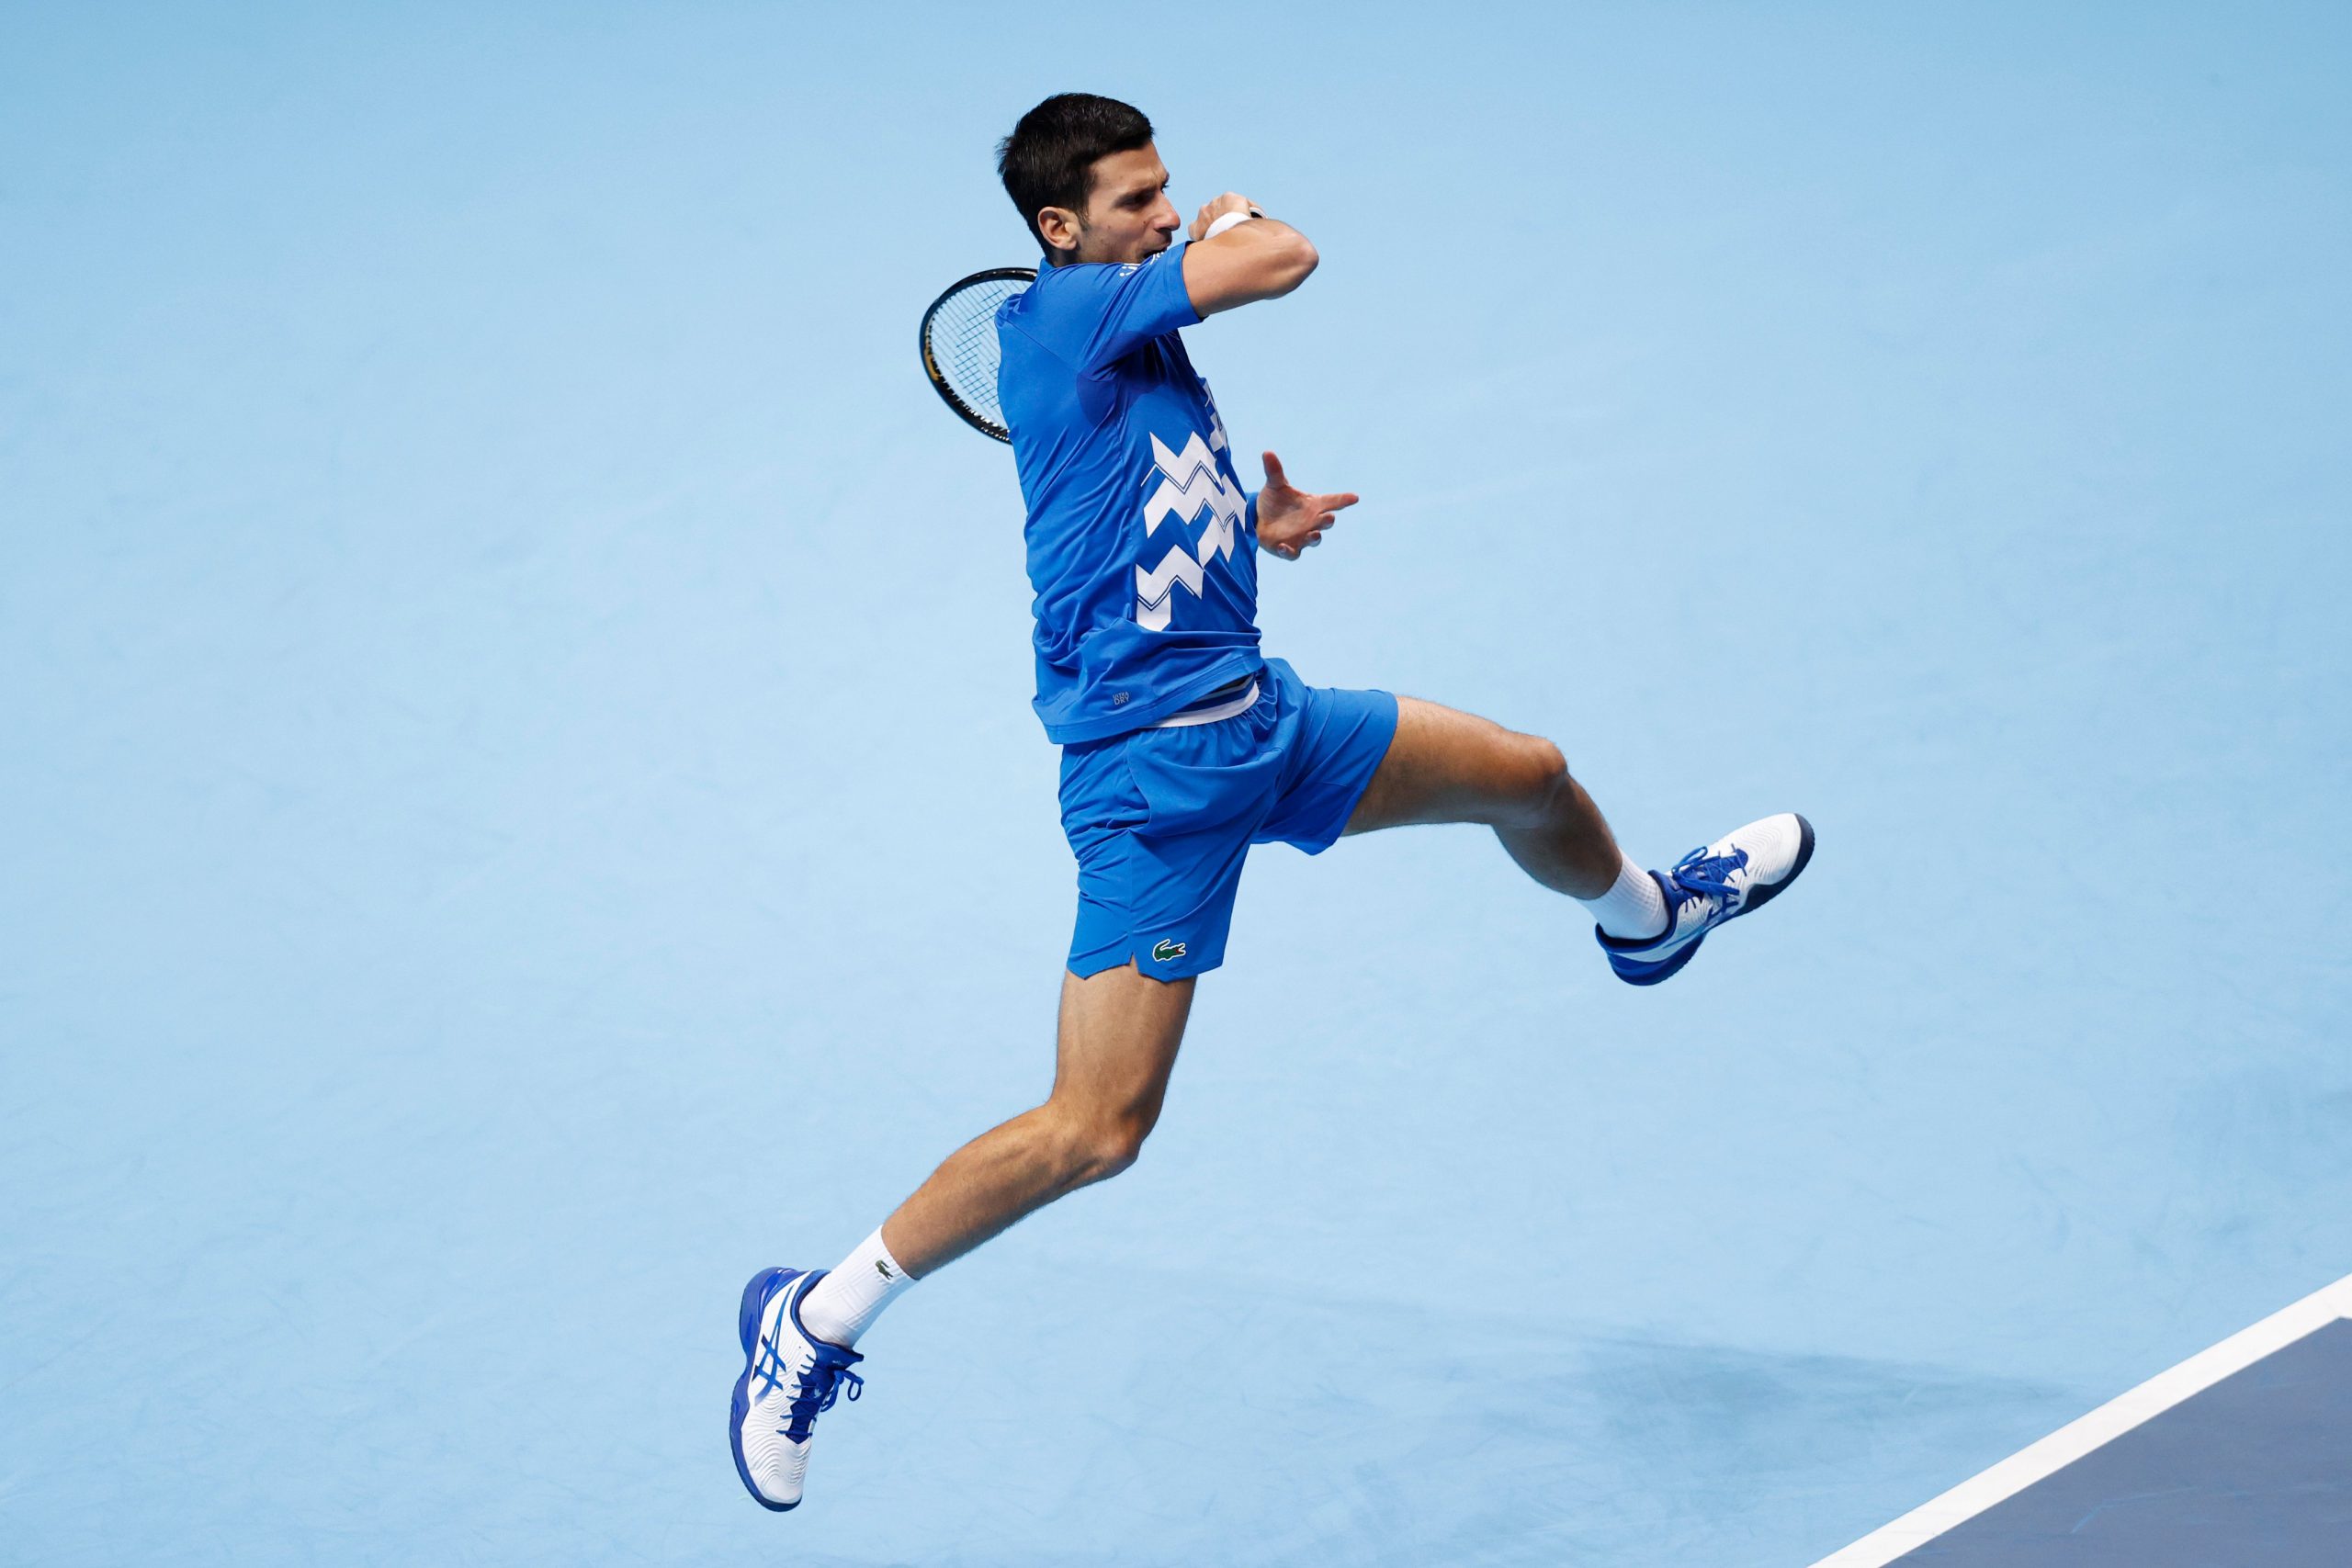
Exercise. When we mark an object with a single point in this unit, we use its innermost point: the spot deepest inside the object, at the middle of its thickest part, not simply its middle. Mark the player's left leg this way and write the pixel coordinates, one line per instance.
(1116, 1045)
(1447, 766)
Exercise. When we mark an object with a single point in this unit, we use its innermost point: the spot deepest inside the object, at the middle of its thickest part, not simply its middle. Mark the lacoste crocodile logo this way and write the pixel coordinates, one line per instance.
(1165, 951)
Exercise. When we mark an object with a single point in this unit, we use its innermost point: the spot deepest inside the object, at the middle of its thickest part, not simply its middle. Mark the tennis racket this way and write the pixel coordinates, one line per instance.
(959, 347)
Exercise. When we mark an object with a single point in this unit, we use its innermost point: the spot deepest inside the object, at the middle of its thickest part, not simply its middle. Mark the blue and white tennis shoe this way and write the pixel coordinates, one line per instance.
(790, 1376)
(1741, 872)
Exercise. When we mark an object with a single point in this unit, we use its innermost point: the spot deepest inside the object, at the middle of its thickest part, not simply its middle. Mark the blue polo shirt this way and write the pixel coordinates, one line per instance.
(1142, 543)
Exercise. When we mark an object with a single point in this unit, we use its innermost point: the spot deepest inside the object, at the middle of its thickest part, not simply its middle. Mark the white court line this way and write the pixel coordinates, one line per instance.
(2102, 1425)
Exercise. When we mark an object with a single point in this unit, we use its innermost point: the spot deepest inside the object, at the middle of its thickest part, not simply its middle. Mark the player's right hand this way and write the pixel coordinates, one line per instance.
(1228, 202)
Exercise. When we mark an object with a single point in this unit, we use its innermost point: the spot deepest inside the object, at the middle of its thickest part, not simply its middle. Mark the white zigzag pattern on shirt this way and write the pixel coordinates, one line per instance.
(1189, 484)
(1153, 587)
(1190, 480)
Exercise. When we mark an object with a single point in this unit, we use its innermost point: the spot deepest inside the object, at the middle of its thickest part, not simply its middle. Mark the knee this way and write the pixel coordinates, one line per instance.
(1541, 772)
(1548, 763)
(1098, 1146)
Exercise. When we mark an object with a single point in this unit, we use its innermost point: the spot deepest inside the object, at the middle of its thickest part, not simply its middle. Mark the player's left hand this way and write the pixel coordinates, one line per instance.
(1291, 520)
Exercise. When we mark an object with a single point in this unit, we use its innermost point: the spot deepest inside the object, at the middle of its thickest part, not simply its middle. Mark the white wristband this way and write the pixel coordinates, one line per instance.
(1231, 220)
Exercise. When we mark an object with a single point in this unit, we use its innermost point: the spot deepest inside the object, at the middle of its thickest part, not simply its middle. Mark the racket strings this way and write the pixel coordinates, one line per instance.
(963, 344)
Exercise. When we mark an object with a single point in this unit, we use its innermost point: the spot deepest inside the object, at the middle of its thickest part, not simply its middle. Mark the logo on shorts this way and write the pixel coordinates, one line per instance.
(1165, 951)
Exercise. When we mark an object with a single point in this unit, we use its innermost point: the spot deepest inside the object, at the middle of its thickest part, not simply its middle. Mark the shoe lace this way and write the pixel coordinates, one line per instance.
(1707, 874)
(826, 1381)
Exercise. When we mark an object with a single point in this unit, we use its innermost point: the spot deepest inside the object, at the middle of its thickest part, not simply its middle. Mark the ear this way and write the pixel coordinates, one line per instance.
(1060, 226)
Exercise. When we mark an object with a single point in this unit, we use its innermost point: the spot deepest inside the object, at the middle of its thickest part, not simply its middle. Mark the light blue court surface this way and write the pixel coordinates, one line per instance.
(518, 804)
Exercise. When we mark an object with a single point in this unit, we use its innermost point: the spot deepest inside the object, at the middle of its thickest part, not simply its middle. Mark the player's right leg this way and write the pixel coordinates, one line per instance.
(1116, 1047)
(1443, 765)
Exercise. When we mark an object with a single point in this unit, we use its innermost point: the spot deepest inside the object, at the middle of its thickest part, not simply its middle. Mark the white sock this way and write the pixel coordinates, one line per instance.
(1633, 907)
(847, 1300)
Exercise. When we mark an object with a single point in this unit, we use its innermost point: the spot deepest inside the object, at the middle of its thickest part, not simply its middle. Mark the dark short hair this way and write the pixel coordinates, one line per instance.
(1048, 160)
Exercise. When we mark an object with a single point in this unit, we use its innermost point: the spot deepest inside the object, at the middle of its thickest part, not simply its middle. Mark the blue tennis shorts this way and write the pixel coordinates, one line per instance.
(1161, 819)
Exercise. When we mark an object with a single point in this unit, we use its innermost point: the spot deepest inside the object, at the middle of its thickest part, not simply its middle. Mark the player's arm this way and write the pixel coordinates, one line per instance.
(1262, 259)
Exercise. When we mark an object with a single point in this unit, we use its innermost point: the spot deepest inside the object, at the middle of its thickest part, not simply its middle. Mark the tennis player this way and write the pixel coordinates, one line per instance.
(1182, 745)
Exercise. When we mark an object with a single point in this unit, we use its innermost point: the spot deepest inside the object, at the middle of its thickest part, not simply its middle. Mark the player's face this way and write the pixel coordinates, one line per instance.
(1128, 215)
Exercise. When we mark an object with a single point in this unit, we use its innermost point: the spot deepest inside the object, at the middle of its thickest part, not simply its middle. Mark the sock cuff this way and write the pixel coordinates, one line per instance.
(879, 1250)
(850, 1296)
(1632, 909)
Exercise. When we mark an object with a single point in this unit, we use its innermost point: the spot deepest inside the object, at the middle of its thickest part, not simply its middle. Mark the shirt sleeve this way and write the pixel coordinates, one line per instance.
(1095, 314)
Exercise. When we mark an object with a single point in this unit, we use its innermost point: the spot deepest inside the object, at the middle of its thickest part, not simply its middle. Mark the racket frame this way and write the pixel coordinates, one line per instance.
(965, 411)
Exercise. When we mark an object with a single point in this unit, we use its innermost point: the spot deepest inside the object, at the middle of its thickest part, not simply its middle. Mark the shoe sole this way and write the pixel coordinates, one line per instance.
(756, 1297)
(1667, 970)
(1673, 967)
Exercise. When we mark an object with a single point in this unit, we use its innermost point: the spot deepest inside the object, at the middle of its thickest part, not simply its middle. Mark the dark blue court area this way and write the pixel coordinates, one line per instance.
(2240, 1457)
(2253, 1472)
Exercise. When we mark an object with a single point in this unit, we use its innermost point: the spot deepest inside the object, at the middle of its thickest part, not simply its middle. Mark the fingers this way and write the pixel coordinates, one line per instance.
(1231, 201)
(1314, 538)
(1277, 480)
